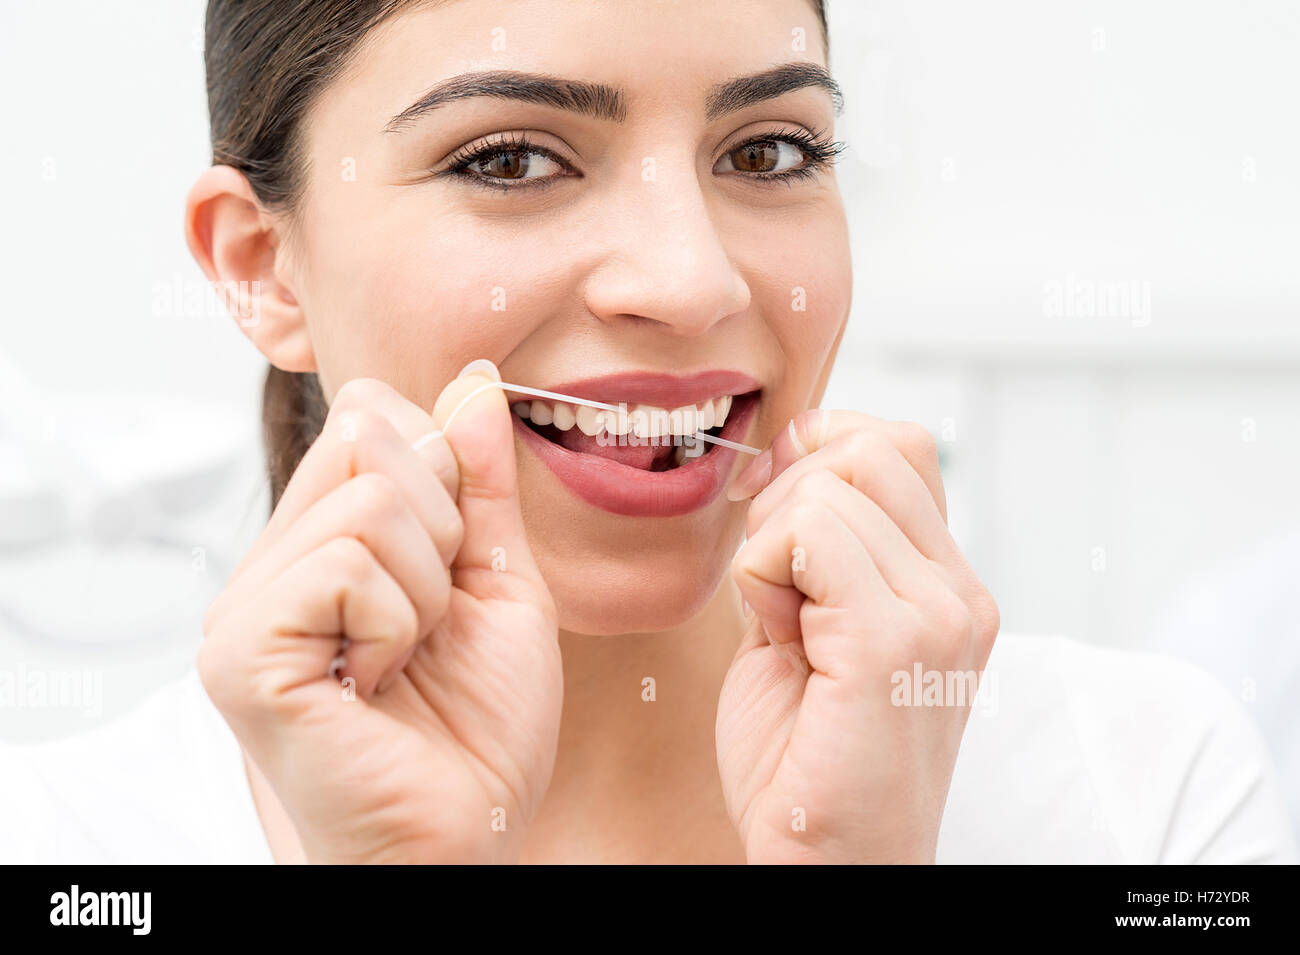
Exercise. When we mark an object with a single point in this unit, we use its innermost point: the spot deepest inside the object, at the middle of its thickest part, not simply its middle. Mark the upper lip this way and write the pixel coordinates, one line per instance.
(659, 389)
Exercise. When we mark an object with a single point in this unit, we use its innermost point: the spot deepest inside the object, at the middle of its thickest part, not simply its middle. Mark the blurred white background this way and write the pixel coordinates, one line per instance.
(1076, 229)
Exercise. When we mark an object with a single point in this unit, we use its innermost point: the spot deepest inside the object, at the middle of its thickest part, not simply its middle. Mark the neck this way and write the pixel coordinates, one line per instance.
(636, 767)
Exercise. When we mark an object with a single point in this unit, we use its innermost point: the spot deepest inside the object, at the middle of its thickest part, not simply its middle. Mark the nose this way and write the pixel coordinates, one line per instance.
(664, 260)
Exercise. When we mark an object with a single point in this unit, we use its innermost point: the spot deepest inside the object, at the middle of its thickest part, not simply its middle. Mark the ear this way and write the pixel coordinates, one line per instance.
(236, 243)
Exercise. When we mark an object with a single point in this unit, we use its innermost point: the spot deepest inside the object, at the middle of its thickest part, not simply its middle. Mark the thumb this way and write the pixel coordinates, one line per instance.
(481, 436)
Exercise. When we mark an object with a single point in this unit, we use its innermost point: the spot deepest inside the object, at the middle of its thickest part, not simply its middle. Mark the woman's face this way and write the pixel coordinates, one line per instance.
(632, 251)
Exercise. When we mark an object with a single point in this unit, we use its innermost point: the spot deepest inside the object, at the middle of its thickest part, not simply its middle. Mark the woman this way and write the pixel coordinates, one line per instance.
(520, 635)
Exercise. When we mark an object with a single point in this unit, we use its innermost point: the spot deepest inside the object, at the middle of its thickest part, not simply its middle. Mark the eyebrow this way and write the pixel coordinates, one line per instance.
(587, 99)
(744, 91)
(601, 101)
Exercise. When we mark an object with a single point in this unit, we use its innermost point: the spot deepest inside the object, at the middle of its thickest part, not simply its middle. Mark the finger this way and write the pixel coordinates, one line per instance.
(806, 552)
(409, 420)
(349, 445)
(364, 441)
(869, 461)
(273, 653)
(754, 637)
(494, 553)
(372, 509)
(907, 572)
(816, 428)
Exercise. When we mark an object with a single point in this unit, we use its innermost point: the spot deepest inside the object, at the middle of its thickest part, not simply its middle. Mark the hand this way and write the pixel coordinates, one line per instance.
(436, 739)
(853, 579)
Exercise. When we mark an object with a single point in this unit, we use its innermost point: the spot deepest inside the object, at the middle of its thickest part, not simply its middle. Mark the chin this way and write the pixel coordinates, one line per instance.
(635, 579)
(646, 600)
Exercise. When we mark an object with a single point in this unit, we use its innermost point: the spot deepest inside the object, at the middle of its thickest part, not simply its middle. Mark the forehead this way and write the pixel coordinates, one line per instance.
(663, 54)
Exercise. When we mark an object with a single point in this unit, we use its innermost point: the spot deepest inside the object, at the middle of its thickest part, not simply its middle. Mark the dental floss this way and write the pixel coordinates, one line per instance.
(556, 396)
(505, 386)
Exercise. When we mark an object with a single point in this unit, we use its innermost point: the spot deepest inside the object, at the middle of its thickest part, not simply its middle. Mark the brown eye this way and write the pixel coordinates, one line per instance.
(755, 157)
(508, 164)
(763, 156)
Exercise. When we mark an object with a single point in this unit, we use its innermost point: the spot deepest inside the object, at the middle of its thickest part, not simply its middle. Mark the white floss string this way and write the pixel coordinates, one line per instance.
(556, 396)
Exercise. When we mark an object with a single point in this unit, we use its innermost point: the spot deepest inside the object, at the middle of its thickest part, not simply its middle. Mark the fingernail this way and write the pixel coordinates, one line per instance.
(794, 440)
(481, 367)
(752, 479)
(792, 653)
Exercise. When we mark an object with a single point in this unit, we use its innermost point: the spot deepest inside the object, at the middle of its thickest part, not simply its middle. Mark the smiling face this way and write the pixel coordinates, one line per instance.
(619, 220)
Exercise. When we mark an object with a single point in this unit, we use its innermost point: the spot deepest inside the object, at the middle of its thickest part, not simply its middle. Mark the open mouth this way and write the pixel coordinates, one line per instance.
(641, 436)
(639, 454)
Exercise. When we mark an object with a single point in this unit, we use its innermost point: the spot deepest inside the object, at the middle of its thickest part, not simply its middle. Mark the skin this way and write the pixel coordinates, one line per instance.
(514, 695)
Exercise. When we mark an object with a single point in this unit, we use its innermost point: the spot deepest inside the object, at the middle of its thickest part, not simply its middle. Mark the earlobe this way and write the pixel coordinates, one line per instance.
(234, 241)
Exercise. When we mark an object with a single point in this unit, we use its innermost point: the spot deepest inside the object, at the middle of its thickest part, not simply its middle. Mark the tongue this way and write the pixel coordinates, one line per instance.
(630, 450)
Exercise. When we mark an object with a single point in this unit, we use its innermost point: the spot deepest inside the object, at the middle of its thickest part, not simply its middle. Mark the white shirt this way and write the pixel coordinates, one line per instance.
(1239, 621)
(1072, 753)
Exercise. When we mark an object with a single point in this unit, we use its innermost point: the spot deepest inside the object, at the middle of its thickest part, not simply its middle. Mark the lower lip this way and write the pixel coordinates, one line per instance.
(633, 492)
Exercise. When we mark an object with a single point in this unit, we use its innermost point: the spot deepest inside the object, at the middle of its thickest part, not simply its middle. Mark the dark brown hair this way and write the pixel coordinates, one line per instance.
(267, 61)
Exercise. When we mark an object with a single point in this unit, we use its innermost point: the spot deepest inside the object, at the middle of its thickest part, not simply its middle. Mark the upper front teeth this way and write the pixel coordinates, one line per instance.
(645, 421)
(590, 420)
(539, 411)
(564, 417)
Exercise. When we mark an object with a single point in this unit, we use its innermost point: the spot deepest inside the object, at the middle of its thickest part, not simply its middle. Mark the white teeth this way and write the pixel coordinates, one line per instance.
(640, 421)
(564, 417)
(541, 413)
(589, 420)
(721, 407)
(657, 419)
(644, 421)
(683, 420)
(616, 422)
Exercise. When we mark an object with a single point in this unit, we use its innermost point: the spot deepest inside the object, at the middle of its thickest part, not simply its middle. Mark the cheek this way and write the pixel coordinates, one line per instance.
(805, 285)
(413, 299)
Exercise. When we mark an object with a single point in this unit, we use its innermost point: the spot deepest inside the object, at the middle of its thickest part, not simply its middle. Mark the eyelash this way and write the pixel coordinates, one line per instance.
(466, 156)
(820, 151)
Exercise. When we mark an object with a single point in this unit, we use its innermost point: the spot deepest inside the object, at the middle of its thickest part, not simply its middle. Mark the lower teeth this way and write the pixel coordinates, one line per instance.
(687, 448)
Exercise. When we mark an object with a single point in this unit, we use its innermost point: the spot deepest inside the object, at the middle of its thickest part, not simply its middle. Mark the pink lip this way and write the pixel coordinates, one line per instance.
(632, 492)
(653, 388)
